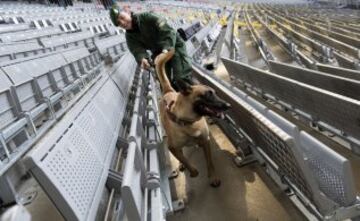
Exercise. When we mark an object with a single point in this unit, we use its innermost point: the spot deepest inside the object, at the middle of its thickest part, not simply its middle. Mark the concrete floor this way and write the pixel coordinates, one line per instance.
(249, 50)
(41, 209)
(222, 73)
(245, 193)
(275, 48)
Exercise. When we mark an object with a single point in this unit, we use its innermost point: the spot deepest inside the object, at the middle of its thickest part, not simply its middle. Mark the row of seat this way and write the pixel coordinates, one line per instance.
(13, 28)
(25, 18)
(80, 18)
(35, 92)
(59, 71)
(320, 105)
(176, 23)
(339, 20)
(316, 174)
(71, 163)
(176, 15)
(350, 50)
(337, 25)
(338, 71)
(30, 34)
(97, 27)
(194, 44)
(211, 40)
(11, 51)
(74, 159)
(52, 19)
(186, 31)
(337, 83)
(84, 38)
(309, 43)
(85, 143)
(23, 33)
(338, 36)
(322, 52)
(292, 48)
(145, 189)
(51, 22)
(187, 5)
(112, 46)
(346, 62)
(340, 85)
(11, 7)
(226, 48)
(330, 82)
(340, 45)
(262, 46)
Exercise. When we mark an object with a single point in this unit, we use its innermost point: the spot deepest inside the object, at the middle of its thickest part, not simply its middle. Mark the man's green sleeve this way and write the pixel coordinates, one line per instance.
(136, 48)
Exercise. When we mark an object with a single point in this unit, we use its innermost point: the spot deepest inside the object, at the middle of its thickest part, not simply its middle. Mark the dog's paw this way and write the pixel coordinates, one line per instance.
(194, 173)
(215, 182)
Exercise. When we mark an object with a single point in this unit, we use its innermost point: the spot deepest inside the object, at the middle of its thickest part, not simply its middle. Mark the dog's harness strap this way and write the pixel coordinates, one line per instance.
(174, 118)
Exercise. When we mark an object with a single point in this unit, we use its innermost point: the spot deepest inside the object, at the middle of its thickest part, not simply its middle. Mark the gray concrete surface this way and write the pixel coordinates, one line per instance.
(245, 194)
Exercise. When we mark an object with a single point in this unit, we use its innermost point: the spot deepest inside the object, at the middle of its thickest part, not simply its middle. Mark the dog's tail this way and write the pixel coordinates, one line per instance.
(160, 62)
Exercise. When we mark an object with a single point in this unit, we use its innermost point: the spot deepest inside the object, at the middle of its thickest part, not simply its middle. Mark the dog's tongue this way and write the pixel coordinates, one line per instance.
(217, 114)
(211, 111)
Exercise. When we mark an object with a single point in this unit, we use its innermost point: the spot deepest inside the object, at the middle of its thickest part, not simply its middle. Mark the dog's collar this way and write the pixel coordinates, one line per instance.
(174, 118)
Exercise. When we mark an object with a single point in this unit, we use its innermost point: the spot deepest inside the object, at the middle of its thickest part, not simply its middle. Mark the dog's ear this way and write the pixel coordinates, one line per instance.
(184, 87)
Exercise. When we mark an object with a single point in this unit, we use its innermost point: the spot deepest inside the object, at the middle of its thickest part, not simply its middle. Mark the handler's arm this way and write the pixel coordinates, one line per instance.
(136, 48)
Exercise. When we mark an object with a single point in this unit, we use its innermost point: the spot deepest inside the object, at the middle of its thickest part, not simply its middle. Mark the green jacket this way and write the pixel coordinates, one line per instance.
(151, 32)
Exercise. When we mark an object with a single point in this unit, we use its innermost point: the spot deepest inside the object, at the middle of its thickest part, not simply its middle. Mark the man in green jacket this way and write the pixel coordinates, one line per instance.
(147, 31)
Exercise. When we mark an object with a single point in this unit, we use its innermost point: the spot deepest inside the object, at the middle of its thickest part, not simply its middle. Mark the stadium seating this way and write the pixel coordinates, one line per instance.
(78, 114)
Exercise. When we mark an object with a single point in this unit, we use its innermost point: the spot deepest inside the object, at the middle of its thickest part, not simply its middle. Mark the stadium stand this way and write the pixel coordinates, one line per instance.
(80, 119)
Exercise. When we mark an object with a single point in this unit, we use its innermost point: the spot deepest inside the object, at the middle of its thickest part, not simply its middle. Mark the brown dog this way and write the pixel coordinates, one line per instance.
(182, 115)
